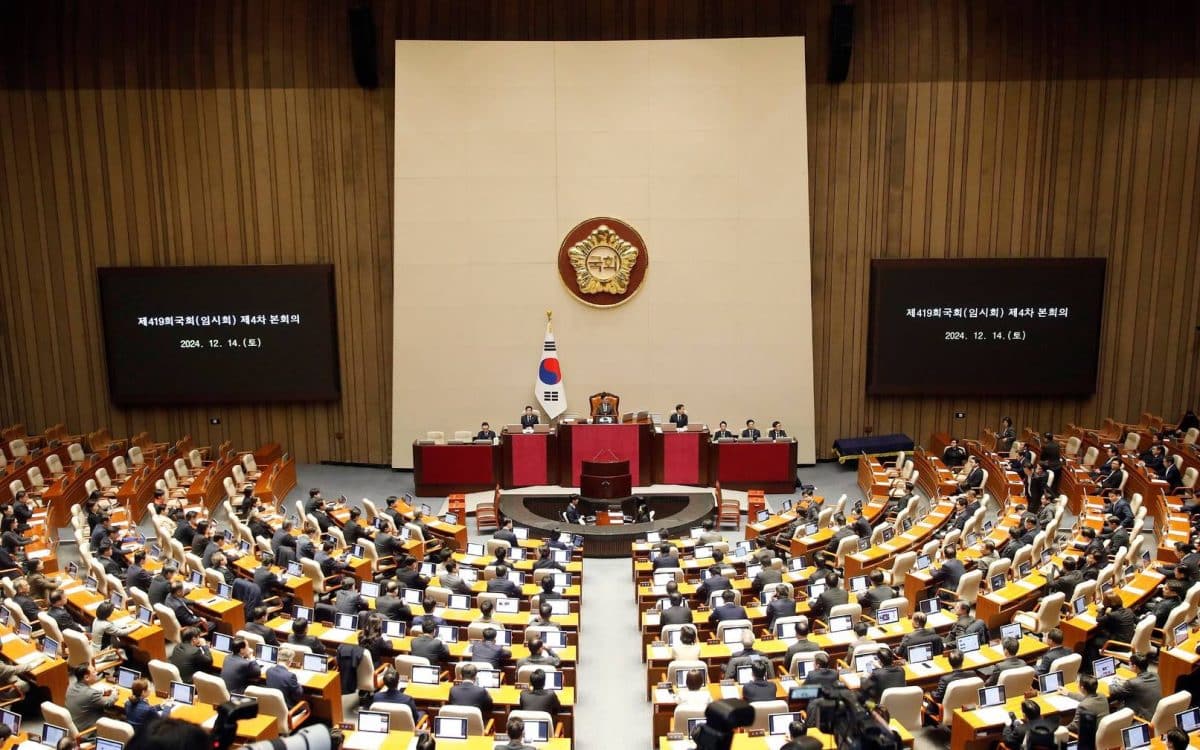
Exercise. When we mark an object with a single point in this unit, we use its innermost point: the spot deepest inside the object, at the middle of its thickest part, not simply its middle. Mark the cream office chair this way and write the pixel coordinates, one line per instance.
(904, 705)
(475, 725)
(400, 718)
(271, 702)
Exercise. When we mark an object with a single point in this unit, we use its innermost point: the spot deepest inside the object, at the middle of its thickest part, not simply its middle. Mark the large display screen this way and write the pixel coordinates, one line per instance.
(986, 327)
(220, 334)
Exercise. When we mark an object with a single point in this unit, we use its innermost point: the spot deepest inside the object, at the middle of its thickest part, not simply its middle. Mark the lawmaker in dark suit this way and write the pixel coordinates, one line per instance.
(722, 432)
(1010, 660)
(1054, 638)
(485, 432)
(467, 693)
(428, 645)
(821, 674)
(716, 581)
(282, 678)
(829, 598)
(300, 637)
(680, 417)
(392, 693)
(392, 606)
(727, 611)
(677, 613)
(886, 675)
(240, 669)
(487, 650)
(537, 697)
(760, 688)
(529, 418)
(955, 657)
(1172, 476)
(258, 626)
(776, 432)
(136, 575)
(950, 572)
(501, 585)
(783, 605)
(877, 594)
(191, 655)
(750, 431)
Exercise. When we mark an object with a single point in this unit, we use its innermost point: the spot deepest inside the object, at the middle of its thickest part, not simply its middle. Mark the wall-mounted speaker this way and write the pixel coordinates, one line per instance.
(841, 40)
(364, 52)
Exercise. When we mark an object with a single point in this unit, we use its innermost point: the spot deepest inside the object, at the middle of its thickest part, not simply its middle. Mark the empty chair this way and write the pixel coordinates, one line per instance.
(901, 566)
(271, 702)
(1164, 713)
(54, 465)
(162, 674)
(1069, 666)
(404, 664)
(399, 715)
(80, 651)
(210, 688)
(1018, 680)
(112, 729)
(120, 467)
(136, 458)
(1108, 731)
(475, 725)
(958, 694)
(847, 546)
(17, 448)
(195, 461)
(1045, 617)
(904, 705)
(679, 720)
(763, 710)
(55, 714)
(170, 625)
(437, 436)
(463, 435)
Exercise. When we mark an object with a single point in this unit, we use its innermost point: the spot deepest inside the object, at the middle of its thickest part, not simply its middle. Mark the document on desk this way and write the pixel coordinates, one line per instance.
(992, 716)
(1060, 702)
(1027, 585)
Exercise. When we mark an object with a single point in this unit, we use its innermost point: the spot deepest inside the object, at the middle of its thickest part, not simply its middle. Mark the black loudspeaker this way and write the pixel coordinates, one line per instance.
(841, 40)
(363, 50)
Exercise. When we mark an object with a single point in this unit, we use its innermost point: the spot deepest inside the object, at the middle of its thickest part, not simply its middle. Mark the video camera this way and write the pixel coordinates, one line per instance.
(315, 737)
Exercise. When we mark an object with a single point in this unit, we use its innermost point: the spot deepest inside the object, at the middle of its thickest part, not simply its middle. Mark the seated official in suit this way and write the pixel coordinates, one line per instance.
(1010, 646)
(467, 693)
(88, 704)
(485, 432)
(393, 693)
(605, 411)
(677, 612)
(537, 697)
(240, 669)
(782, 605)
(972, 475)
(529, 418)
(950, 572)
(487, 650)
(776, 432)
(282, 678)
(760, 688)
(920, 635)
(934, 703)
(877, 594)
(1090, 701)
(750, 431)
(887, 675)
(1142, 692)
(1054, 639)
(965, 624)
(802, 645)
(573, 514)
(1032, 731)
(722, 431)
(680, 417)
(821, 674)
(954, 455)
(725, 609)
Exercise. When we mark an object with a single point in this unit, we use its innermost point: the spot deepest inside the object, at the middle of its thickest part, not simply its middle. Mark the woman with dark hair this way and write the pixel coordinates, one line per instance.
(138, 710)
(11, 539)
(372, 639)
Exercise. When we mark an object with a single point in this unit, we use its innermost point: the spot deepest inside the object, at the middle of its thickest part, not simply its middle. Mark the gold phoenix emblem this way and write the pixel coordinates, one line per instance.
(603, 262)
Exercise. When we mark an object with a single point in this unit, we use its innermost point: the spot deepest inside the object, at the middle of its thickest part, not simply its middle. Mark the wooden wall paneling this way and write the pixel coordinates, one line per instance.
(233, 132)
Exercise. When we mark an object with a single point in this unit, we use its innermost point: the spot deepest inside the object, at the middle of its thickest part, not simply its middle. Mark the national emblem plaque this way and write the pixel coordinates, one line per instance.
(602, 262)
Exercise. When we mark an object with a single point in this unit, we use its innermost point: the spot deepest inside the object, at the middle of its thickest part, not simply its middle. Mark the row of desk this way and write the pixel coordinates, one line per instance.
(554, 458)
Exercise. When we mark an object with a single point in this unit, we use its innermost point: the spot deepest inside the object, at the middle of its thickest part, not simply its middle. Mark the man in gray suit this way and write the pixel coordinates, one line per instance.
(1141, 692)
(767, 576)
(85, 703)
(428, 645)
(451, 579)
(1096, 705)
(1010, 660)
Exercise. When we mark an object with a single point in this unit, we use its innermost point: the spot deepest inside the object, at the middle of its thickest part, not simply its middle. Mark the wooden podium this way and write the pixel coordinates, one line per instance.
(605, 480)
